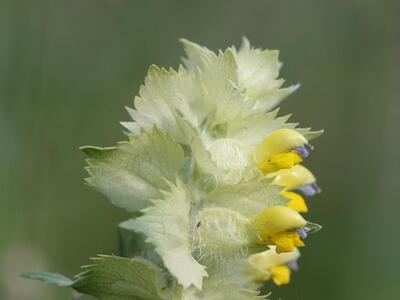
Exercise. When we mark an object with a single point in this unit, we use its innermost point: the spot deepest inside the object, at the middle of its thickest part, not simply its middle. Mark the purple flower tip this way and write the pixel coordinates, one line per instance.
(293, 265)
(302, 151)
(302, 232)
(309, 189)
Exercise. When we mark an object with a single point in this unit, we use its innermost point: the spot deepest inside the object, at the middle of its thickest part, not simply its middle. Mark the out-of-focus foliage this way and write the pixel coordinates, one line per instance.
(68, 67)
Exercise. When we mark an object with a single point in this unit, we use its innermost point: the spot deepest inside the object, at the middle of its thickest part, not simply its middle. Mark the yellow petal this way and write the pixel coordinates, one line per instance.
(279, 141)
(277, 219)
(279, 161)
(280, 274)
(292, 178)
(297, 241)
(296, 202)
(284, 241)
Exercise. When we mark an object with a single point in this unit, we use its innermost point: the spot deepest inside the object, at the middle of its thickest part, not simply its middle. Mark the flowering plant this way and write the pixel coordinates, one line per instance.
(213, 180)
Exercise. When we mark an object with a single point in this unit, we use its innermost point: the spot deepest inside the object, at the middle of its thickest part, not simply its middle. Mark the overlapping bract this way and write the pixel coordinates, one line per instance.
(219, 108)
(190, 174)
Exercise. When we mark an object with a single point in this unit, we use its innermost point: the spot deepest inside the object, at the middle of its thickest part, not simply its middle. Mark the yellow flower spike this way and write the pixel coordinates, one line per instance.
(296, 201)
(277, 226)
(292, 178)
(279, 161)
(280, 274)
(280, 141)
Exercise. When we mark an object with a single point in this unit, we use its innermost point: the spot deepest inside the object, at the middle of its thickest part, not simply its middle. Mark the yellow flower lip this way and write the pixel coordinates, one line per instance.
(280, 275)
(296, 201)
(280, 141)
(284, 241)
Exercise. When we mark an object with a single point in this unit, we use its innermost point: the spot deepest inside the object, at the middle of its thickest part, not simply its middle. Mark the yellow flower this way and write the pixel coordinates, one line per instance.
(282, 149)
(293, 178)
(296, 178)
(278, 226)
(269, 265)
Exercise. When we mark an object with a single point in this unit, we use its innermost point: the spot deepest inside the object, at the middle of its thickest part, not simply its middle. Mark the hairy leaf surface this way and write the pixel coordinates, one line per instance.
(134, 172)
(167, 227)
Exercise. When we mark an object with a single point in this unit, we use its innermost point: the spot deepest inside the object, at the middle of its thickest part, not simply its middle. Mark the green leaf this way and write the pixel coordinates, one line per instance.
(248, 197)
(165, 95)
(310, 134)
(217, 288)
(167, 227)
(203, 157)
(252, 129)
(218, 77)
(118, 278)
(197, 55)
(134, 172)
(132, 244)
(51, 278)
(223, 95)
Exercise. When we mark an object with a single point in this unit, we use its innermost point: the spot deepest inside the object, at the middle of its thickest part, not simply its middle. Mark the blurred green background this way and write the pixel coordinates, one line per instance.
(68, 68)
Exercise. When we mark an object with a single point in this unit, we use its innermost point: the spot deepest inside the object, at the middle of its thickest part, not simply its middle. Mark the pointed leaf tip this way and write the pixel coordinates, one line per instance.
(51, 278)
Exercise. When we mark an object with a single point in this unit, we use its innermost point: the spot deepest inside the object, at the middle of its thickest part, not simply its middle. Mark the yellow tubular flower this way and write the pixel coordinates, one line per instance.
(269, 265)
(294, 177)
(277, 226)
(282, 149)
(297, 177)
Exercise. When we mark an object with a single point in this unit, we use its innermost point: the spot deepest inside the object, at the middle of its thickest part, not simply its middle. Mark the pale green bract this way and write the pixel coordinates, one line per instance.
(220, 289)
(188, 173)
(258, 76)
(225, 95)
(248, 197)
(167, 227)
(134, 172)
